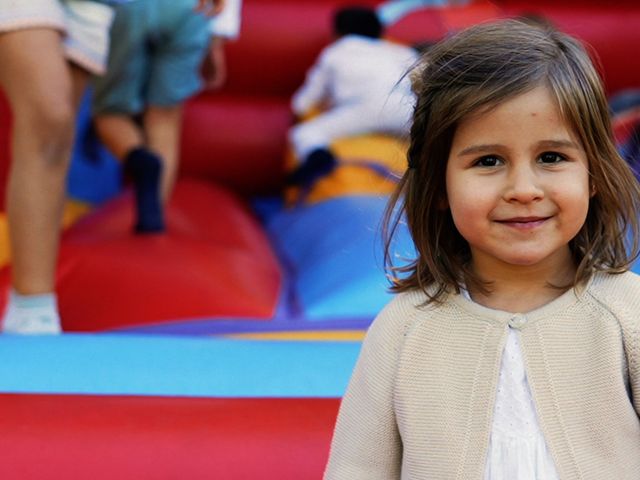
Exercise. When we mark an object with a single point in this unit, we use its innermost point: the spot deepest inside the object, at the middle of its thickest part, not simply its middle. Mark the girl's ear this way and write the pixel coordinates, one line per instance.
(592, 190)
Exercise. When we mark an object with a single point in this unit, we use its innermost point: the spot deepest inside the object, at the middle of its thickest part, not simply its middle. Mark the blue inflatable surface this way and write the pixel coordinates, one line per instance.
(174, 366)
(333, 254)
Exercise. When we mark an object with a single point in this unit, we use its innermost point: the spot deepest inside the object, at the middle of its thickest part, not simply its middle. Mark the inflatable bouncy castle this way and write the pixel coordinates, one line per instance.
(221, 349)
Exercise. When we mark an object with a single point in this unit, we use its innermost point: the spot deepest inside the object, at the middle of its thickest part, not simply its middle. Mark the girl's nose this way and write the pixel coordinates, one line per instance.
(523, 185)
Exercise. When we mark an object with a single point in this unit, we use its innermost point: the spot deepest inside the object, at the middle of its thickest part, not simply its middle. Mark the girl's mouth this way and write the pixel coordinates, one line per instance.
(524, 223)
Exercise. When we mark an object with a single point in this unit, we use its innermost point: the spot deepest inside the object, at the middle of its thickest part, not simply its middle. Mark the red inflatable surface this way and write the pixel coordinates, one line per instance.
(280, 39)
(54, 437)
(610, 29)
(236, 141)
(214, 262)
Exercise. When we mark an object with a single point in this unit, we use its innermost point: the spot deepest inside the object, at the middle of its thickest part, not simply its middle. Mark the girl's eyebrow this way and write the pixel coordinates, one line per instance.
(559, 144)
(490, 148)
(476, 149)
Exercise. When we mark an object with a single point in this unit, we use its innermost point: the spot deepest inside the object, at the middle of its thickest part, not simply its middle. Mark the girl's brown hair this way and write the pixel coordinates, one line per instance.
(478, 69)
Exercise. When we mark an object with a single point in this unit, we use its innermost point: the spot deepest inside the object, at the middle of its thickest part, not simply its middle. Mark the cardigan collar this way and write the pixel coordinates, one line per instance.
(520, 319)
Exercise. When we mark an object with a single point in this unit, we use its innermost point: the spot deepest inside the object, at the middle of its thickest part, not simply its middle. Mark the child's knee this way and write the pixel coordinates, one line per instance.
(50, 126)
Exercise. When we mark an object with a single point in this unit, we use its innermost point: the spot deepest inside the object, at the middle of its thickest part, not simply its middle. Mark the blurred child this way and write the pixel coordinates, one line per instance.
(159, 52)
(358, 82)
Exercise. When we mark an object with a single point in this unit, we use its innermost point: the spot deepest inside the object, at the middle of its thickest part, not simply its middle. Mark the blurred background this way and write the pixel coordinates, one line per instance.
(220, 348)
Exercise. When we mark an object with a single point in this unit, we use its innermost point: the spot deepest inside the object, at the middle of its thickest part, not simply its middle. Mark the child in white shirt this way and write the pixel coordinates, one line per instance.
(358, 81)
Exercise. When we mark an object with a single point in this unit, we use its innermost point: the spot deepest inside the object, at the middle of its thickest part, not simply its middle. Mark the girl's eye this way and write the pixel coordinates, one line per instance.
(488, 161)
(551, 157)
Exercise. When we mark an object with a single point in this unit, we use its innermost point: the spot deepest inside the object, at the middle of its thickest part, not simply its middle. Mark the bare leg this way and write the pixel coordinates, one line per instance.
(40, 89)
(162, 126)
(79, 82)
(43, 92)
(119, 133)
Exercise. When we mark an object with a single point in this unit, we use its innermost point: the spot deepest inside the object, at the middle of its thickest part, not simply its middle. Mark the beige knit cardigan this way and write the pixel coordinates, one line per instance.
(420, 402)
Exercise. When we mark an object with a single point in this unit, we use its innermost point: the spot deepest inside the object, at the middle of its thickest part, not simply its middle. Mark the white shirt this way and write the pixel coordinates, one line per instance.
(356, 69)
(227, 23)
(517, 448)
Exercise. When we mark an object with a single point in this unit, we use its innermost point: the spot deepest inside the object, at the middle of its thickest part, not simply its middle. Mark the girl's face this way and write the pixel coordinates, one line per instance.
(518, 185)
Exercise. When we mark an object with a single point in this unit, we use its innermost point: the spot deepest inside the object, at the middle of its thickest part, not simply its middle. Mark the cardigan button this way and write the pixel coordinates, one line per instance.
(517, 321)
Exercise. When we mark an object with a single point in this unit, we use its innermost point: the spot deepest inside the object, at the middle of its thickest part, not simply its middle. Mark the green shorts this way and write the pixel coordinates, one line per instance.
(157, 47)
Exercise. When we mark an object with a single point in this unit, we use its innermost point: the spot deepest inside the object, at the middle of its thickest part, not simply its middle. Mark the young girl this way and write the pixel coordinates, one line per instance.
(513, 348)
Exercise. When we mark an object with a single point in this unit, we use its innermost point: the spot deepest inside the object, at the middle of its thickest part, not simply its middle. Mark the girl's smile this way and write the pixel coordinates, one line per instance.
(524, 223)
(518, 185)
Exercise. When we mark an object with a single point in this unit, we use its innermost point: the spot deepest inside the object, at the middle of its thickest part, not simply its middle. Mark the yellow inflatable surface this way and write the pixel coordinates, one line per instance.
(367, 165)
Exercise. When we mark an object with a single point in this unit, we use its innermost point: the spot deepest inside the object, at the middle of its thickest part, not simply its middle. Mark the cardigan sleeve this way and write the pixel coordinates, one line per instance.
(366, 443)
(622, 297)
(631, 336)
(627, 306)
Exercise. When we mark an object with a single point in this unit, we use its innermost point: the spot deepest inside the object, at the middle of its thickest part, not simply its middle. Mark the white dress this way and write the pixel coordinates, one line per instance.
(517, 448)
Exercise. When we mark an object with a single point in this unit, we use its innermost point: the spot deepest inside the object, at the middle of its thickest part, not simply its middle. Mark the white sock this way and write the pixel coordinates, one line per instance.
(32, 314)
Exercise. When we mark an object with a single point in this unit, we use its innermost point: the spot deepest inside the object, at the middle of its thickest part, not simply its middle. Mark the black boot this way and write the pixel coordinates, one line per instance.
(319, 162)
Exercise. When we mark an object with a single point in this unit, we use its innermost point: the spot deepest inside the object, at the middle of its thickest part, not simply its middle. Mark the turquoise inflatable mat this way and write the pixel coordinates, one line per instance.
(108, 364)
